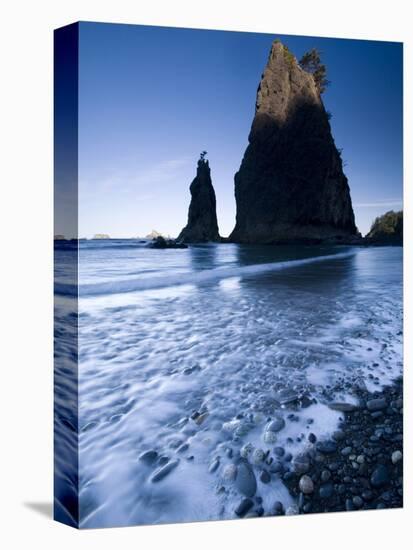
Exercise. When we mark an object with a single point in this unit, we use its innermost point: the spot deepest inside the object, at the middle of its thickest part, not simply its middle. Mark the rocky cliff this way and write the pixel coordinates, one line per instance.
(291, 184)
(387, 229)
(202, 223)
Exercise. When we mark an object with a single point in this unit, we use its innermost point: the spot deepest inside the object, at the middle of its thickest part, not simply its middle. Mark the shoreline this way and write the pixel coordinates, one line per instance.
(361, 466)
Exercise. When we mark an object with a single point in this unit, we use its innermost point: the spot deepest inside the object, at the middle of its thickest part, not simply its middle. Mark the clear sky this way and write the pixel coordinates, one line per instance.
(152, 98)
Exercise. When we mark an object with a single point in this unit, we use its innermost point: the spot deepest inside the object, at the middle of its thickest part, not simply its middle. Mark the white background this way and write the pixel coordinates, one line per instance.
(26, 270)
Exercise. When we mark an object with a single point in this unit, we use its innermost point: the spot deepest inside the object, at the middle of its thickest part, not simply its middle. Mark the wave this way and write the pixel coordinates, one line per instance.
(207, 275)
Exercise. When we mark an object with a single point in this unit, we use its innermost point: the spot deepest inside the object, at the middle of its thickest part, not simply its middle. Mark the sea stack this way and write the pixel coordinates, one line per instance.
(291, 185)
(202, 223)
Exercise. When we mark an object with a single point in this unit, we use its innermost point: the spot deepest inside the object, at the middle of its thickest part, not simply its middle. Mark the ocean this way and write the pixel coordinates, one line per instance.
(190, 354)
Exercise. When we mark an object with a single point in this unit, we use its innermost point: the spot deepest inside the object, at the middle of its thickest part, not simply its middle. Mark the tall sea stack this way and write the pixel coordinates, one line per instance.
(291, 184)
(202, 223)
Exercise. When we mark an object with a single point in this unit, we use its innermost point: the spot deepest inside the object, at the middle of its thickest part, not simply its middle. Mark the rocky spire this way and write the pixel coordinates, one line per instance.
(291, 184)
(202, 223)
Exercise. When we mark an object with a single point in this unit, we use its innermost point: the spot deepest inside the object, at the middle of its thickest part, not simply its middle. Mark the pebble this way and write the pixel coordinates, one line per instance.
(276, 425)
(325, 476)
(162, 472)
(376, 404)
(148, 457)
(343, 407)
(245, 481)
(258, 456)
(346, 451)
(279, 451)
(312, 438)
(243, 507)
(396, 457)
(306, 485)
(358, 502)
(301, 464)
(229, 473)
(214, 465)
(269, 437)
(326, 490)
(278, 508)
(380, 476)
(265, 477)
(326, 447)
(246, 450)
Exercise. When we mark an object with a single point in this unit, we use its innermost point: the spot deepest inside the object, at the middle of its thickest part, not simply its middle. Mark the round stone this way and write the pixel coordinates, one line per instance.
(380, 476)
(245, 481)
(276, 425)
(229, 473)
(258, 456)
(396, 457)
(306, 485)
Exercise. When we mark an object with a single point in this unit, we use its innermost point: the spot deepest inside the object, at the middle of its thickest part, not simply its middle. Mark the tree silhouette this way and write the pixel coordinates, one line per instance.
(311, 62)
(203, 155)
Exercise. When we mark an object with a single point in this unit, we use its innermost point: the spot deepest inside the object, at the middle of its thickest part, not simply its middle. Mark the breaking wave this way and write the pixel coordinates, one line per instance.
(204, 276)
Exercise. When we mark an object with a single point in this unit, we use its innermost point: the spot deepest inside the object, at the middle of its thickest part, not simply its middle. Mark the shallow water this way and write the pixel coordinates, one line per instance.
(229, 331)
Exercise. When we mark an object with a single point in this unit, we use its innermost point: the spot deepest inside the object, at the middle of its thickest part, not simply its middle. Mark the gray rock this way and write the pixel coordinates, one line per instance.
(306, 485)
(396, 457)
(265, 477)
(326, 490)
(376, 404)
(214, 465)
(326, 447)
(343, 407)
(243, 507)
(246, 482)
(229, 473)
(380, 476)
(301, 464)
(276, 425)
(148, 457)
(163, 471)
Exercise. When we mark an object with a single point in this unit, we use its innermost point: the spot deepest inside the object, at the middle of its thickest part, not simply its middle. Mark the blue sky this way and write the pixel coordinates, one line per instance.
(152, 98)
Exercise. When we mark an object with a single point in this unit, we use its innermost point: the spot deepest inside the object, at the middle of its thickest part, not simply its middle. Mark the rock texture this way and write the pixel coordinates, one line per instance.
(291, 184)
(387, 229)
(202, 223)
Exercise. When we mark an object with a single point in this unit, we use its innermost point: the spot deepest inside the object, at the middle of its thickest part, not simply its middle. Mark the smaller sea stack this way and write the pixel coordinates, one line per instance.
(202, 223)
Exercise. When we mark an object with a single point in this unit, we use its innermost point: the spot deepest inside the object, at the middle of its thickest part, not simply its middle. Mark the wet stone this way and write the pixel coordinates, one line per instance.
(265, 477)
(276, 425)
(278, 508)
(162, 472)
(279, 451)
(214, 465)
(243, 507)
(306, 485)
(245, 481)
(229, 472)
(326, 447)
(380, 476)
(326, 490)
(148, 457)
(376, 404)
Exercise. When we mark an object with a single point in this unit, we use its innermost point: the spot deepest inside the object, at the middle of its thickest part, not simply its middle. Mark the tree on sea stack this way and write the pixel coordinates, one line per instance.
(311, 62)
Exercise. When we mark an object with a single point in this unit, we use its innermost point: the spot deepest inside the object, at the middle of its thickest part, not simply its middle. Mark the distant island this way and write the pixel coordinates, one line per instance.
(101, 236)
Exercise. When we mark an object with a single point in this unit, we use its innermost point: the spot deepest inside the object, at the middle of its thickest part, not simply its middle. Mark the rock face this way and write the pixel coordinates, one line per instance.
(387, 229)
(291, 184)
(202, 223)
